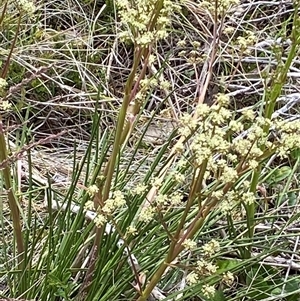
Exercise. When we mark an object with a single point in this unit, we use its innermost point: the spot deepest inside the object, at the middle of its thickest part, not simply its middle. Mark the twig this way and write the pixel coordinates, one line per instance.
(17, 155)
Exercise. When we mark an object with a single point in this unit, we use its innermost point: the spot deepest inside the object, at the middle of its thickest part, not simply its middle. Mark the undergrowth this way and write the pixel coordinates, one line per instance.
(149, 150)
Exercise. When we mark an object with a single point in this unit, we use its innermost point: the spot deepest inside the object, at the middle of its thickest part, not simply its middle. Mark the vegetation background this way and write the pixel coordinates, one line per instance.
(149, 150)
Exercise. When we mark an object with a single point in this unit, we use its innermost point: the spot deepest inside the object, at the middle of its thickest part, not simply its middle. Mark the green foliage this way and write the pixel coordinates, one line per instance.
(124, 174)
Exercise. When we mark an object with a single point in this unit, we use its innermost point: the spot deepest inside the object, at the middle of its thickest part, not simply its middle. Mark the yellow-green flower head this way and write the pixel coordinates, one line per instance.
(28, 7)
(3, 84)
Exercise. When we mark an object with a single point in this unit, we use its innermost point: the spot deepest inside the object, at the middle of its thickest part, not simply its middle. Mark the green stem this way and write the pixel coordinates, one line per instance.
(281, 74)
(158, 274)
(176, 247)
(120, 125)
(12, 201)
(195, 188)
(272, 96)
(6, 65)
(174, 250)
(250, 209)
(116, 149)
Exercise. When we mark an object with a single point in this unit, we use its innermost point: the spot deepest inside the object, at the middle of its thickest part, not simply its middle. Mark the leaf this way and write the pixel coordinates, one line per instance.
(295, 154)
(219, 296)
(292, 286)
(292, 198)
(259, 287)
(227, 265)
(280, 174)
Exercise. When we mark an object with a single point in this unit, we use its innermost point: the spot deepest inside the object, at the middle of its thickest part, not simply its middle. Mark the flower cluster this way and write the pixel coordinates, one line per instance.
(189, 244)
(147, 214)
(131, 231)
(111, 205)
(188, 124)
(92, 190)
(223, 6)
(144, 20)
(3, 84)
(287, 137)
(5, 105)
(228, 278)
(233, 201)
(145, 85)
(210, 248)
(227, 147)
(162, 203)
(140, 189)
(27, 6)
(204, 267)
(244, 42)
(208, 290)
